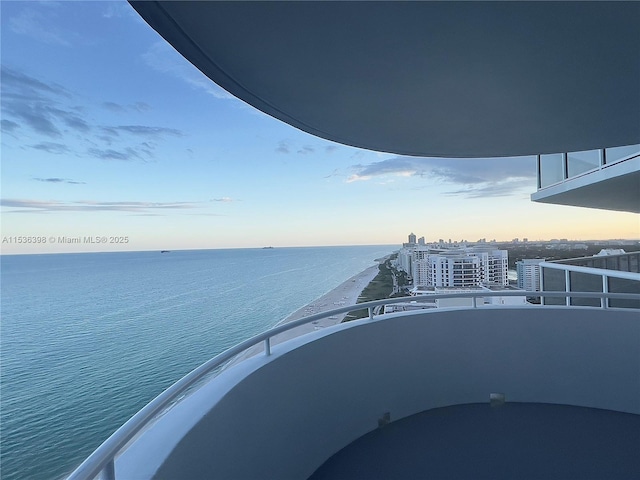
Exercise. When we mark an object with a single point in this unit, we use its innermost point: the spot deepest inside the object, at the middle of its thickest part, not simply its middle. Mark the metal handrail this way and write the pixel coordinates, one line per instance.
(102, 460)
(595, 271)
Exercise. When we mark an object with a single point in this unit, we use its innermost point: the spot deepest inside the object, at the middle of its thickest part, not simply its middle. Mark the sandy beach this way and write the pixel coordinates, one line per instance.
(346, 293)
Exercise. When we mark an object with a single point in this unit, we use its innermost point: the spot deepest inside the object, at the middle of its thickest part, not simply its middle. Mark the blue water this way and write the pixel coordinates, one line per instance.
(88, 339)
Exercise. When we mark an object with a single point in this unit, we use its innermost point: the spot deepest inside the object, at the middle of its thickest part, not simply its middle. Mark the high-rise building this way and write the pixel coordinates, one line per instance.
(529, 274)
(412, 238)
(459, 267)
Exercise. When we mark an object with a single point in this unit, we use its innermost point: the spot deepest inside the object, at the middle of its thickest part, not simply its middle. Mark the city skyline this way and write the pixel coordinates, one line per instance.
(108, 132)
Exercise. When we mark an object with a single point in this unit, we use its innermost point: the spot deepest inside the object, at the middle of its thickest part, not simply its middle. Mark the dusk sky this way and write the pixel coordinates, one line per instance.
(107, 131)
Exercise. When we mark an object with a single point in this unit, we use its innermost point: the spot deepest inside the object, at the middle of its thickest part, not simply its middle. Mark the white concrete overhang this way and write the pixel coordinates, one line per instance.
(447, 79)
(614, 187)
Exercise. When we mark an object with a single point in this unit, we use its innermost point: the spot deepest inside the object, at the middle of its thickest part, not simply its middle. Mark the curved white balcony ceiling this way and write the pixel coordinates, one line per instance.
(449, 79)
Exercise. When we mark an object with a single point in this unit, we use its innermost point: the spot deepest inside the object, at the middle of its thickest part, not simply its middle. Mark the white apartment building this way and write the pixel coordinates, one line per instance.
(496, 267)
(459, 267)
(454, 270)
(529, 274)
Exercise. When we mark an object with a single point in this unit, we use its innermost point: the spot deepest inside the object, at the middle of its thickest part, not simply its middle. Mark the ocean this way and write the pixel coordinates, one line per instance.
(86, 340)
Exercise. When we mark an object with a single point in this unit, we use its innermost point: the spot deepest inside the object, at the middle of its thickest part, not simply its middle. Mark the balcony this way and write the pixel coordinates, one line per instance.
(504, 388)
(607, 178)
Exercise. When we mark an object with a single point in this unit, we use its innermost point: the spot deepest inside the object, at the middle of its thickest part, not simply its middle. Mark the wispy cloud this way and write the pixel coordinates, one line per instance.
(59, 180)
(479, 177)
(20, 81)
(306, 150)
(144, 131)
(283, 147)
(503, 188)
(114, 107)
(51, 147)
(224, 199)
(8, 126)
(38, 104)
(127, 154)
(39, 27)
(162, 58)
(287, 146)
(118, 10)
(118, 108)
(46, 109)
(38, 206)
(335, 173)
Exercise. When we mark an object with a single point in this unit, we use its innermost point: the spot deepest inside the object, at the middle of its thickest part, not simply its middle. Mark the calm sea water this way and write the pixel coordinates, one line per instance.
(88, 339)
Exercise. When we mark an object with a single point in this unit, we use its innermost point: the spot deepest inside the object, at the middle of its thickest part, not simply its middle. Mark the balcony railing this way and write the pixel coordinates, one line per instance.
(102, 460)
(562, 275)
(558, 167)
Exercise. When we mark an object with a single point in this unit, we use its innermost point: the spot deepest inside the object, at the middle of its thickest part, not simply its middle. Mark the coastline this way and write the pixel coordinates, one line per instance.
(346, 293)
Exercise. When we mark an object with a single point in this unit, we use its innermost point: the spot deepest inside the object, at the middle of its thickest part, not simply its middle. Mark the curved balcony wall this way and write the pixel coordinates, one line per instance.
(283, 415)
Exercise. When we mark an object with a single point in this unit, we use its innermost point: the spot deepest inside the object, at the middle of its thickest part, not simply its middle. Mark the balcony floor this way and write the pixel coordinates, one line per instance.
(515, 440)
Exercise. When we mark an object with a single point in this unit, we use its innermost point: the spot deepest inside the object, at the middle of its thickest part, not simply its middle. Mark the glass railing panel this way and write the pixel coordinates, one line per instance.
(551, 169)
(623, 285)
(617, 154)
(553, 281)
(585, 282)
(581, 162)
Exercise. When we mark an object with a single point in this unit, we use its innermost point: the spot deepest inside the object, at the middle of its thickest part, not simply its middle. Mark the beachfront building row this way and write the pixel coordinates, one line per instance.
(462, 267)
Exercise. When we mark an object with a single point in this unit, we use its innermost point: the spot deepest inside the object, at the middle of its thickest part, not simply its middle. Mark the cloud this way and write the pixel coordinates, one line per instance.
(114, 107)
(117, 108)
(224, 199)
(38, 104)
(335, 173)
(141, 106)
(8, 126)
(118, 10)
(163, 58)
(283, 147)
(145, 131)
(75, 122)
(38, 206)
(492, 189)
(111, 133)
(50, 147)
(35, 116)
(59, 180)
(13, 79)
(39, 27)
(127, 155)
(307, 149)
(43, 108)
(480, 176)
(331, 148)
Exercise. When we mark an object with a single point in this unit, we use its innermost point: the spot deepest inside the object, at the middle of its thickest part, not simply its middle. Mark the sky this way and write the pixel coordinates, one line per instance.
(109, 136)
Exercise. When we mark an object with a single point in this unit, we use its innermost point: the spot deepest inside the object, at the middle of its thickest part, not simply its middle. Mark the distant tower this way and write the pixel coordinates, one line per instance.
(529, 273)
(412, 238)
(421, 241)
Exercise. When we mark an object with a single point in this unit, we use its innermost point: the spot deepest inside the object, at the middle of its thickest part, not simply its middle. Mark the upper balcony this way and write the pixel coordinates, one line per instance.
(607, 178)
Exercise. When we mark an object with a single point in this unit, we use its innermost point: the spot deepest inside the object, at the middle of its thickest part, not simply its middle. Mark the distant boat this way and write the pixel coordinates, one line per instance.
(266, 248)
(165, 251)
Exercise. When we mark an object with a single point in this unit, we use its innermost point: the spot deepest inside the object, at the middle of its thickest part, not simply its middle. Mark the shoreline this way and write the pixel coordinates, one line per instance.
(347, 293)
